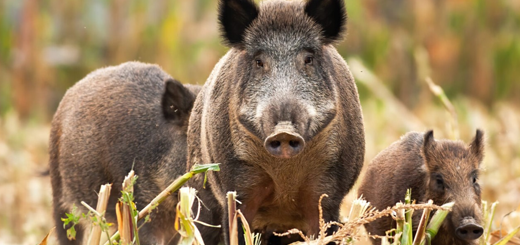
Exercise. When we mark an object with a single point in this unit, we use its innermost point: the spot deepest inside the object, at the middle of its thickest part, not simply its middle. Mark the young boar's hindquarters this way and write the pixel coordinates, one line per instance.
(135, 115)
(440, 170)
(280, 112)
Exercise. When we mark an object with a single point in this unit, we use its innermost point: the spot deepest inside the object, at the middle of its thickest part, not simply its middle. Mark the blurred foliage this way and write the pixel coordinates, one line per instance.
(472, 46)
(47, 46)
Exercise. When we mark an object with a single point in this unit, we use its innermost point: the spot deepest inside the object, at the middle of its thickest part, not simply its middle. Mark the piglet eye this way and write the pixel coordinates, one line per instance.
(474, 177)
(308, 60)
(440, 182)
(259, 63)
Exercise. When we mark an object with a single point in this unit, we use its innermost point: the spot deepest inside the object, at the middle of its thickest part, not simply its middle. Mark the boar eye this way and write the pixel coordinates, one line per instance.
(308, 60)
(259, 63)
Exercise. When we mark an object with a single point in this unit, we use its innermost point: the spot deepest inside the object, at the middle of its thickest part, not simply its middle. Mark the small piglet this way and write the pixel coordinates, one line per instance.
(440, 170)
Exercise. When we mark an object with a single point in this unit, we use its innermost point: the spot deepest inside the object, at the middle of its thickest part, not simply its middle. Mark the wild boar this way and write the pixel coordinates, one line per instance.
(131, 115)
(440, 170)
(280, 112)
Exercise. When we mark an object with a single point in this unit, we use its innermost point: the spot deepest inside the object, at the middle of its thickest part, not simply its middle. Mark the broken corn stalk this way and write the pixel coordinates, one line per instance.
(184, 223)
(436, 221)
(174, 186)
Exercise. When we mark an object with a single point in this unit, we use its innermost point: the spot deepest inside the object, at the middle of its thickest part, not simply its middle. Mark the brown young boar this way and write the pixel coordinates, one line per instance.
(280, 112)
(131, 115)
(440, 170)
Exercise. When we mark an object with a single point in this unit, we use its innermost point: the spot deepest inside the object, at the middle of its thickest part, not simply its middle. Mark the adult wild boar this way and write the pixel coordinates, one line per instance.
(440, 170)
(131, 115)
(280, 112)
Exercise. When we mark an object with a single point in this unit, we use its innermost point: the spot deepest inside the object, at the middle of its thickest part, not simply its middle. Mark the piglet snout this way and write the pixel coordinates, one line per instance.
(469, 229)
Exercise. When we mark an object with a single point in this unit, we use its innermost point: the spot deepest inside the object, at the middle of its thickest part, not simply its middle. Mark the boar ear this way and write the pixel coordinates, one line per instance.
(428, 146)
(177, 101)
(477, 145)
(234, 17)
(330, 15)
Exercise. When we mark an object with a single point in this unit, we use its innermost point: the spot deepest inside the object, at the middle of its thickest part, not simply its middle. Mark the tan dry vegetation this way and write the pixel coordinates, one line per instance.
(25, 199)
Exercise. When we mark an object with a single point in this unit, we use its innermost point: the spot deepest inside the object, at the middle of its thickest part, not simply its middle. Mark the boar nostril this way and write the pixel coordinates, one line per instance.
(294, 143)
(275, 144)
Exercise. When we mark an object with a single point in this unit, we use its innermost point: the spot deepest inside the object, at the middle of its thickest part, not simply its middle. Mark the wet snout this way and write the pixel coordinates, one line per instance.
(469, 229)
(284, 142)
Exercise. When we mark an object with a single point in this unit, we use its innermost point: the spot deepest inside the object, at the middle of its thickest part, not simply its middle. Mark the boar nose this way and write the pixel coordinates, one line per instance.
(469, 229)
(284, 142)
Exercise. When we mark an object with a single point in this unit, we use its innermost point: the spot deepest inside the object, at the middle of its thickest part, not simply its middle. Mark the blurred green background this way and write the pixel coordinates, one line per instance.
(471, 48)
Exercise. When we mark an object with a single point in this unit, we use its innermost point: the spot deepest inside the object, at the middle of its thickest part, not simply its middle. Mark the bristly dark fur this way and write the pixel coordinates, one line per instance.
(242, 19)
(440, 170)
(428, 145)
(282, 23)
(234, 17)
(477, 145)
(330, 15)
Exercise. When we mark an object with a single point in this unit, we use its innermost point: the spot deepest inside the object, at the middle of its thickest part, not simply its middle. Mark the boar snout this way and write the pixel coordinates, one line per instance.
(469, 229)
(284, 142)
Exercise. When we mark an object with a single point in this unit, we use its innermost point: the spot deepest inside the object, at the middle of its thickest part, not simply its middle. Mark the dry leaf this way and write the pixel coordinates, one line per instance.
(44, 241)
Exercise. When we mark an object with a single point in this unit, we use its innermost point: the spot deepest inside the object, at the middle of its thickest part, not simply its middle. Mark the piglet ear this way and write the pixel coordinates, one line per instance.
(477, 145)
(429, 145)
(235, 16)
(177, 102)
(330, 15)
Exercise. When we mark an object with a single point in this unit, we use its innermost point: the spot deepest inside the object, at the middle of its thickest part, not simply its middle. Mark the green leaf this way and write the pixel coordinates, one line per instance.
(74, 219)
(407, 239)
(71, 233)
(200, 168)
(437, 219)
(489, 220)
